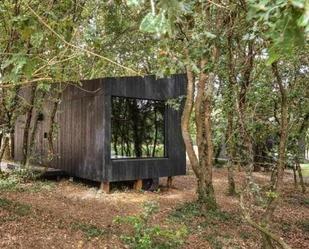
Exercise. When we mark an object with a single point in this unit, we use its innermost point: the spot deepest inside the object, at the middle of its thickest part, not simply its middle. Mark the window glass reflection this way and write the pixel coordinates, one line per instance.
(137, 128)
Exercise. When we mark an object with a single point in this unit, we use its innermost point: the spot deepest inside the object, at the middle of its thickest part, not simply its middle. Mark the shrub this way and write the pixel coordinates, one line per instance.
(26, 174)
(17, 208)
(186, 211)
(14, 180)
(9, 183)
(90, 231)
(147, 236)
(304, 225)
(190, 210)
(214, 241)
(42, 185)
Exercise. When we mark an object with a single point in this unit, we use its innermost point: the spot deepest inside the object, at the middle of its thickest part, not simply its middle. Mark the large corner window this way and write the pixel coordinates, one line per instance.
(138, 129)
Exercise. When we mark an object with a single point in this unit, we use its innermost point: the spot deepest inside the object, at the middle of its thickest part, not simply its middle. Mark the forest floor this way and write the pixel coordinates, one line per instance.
(64, 214)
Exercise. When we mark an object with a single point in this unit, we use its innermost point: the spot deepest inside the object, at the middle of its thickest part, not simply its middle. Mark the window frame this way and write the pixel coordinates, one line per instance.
(165, 135)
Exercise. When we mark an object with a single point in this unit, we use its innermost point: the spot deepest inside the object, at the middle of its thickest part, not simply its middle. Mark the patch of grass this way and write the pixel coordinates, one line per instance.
(8, 218)
(305, 201)
(16, 208)
(26, 175)
(214, 218)
(305, 169)
(220, 164)
(298, 200)
(245, 235)
(304, 225)
(214, 241)
(41, 186)
(186, 211)
(195, 216)
(9, 182)
(191, 210)
(285, 226)
(90, 231)
(17, 181)
(145, 235)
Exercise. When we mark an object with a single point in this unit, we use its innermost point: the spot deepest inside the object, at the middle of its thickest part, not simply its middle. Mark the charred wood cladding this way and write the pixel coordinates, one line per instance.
(110, 129)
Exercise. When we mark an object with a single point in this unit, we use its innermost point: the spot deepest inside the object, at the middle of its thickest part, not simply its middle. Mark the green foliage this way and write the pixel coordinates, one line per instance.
(305, 169)
(155, 23)
(245, 235)
(271, 194)
(135, 2)
(16, 181)
(304, 225)
(90, 231)
(218, 216)
(26, 174)
(214, 241)
(286, 227)
(286, 23)
(38, 186)
(220, 163)
(169, 12)
(145, 235)
(162, 39)
(141, 132)
(175, 103)
(188, 211)
(197, 218)
(305, 202)
(9, 182)
(16, 208)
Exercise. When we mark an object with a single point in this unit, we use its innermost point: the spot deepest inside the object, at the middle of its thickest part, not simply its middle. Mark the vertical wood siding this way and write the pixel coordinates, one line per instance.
(83, 140)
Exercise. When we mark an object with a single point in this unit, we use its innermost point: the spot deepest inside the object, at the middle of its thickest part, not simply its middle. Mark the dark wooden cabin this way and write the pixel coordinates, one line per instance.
(114, 129)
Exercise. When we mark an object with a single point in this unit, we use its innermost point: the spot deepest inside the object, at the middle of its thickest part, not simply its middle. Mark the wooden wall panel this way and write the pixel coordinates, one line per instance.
(81, 131)
(83, 140)
(147, 88)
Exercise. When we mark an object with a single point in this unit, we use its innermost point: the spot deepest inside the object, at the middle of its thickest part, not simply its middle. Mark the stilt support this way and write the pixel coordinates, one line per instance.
(105, 187)
(138, 184)
(169, 182)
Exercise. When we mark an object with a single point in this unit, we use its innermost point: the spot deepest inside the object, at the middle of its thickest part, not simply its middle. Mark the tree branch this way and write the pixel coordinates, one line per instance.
(77, 47)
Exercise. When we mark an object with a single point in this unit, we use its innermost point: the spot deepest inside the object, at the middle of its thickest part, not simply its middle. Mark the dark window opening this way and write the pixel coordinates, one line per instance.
(40, 116)
(138, 128)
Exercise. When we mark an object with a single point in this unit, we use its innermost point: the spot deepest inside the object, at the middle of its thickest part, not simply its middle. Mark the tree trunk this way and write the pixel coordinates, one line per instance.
(229, 140)
(27, 127)
(241, 106)
(12, 143)
(1, 137)
(32, 138)
(217, 153)
(301, 179)
(136, 125)
(278, 179)
(301, 148)
(197, 163)
(203, 163)
(211, 202)
(258, 157)
(246, 138)
(51, 132)
(5, 144)
(185, 125)
(295, 176)
(155, 136)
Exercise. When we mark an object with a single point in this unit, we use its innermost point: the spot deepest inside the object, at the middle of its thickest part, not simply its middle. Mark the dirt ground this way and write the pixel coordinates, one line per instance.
(58, 215)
